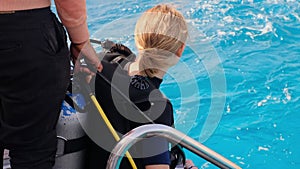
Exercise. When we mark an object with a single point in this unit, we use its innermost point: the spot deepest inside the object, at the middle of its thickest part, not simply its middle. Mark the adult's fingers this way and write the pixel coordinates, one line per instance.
(86, 51)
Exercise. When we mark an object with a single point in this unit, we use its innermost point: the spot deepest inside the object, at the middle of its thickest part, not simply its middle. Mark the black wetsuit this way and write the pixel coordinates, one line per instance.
(144, 93)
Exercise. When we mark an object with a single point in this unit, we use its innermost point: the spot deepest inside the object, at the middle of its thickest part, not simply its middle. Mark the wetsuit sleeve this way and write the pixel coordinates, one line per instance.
(73, 16)
(155, 151)
(167, 117)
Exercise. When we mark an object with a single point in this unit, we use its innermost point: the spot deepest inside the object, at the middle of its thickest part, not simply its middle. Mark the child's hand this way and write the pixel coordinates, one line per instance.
(122, 49)
(190, 165)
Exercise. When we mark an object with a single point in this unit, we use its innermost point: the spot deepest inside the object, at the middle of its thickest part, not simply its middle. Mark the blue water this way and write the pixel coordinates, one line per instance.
(236, 87)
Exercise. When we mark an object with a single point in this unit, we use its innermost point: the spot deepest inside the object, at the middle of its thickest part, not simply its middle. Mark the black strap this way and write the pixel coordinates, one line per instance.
(75, 145)
(69, 100)
(66, 146)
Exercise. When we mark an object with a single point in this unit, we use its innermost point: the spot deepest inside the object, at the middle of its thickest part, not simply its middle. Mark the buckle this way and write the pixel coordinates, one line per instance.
(61, 145)
(7, 12)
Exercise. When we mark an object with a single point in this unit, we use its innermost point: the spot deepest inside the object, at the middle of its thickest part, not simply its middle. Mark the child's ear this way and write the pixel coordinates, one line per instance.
(180, 50)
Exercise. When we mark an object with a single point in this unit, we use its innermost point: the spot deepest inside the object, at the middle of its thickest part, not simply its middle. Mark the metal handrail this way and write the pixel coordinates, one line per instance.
(171, 134)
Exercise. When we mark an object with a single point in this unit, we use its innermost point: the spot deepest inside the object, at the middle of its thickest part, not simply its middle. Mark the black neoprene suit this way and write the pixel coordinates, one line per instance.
(144, 93)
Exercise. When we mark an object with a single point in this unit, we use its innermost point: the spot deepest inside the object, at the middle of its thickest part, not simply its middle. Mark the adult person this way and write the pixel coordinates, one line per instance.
(160, 36)
(35, 73)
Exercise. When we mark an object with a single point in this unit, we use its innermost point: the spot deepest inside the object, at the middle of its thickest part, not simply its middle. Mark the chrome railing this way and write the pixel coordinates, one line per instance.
(171, 134)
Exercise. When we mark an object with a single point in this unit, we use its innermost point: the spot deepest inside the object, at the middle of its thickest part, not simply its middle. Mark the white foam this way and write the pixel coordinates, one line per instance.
(260, 148)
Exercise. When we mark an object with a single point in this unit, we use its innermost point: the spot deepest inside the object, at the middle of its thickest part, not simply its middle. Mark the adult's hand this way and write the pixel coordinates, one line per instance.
(87, 52)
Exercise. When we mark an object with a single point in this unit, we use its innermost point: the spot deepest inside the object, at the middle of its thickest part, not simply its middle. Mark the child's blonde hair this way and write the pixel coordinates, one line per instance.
(159, 33)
